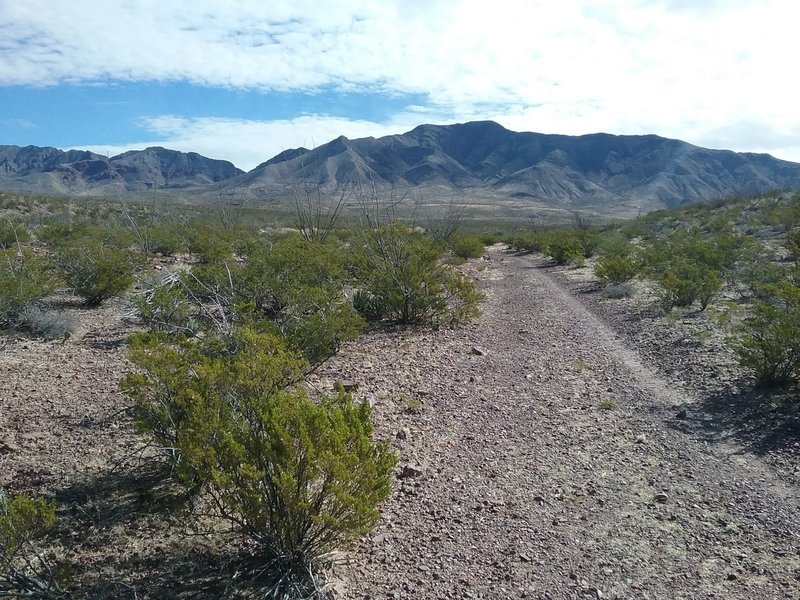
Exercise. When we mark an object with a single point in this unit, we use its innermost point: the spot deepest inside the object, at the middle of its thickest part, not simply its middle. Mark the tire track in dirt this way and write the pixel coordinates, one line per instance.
(549, 469)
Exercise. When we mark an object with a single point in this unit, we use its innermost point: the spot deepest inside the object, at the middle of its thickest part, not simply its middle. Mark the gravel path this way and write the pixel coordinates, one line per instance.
(540, 458)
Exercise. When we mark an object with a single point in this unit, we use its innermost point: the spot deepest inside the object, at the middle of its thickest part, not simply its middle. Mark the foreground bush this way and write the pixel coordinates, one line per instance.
(298, 285)
(769, 339)
(565, 248)
(12, 234)
(399, 272)
(466, 246)
(24, 571)
(95, 270)
(296, 476)
(24, 279)
(690, 267)
(616, 269)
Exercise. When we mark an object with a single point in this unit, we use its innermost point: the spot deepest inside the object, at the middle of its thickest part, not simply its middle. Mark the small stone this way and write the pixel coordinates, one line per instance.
(409, 471)
(682, 414)
(733, 577)
(402, 434)
(7, 447)
(477, 351)
(661, 497)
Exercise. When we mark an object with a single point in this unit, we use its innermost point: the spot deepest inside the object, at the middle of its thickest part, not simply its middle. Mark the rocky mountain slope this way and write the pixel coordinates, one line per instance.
(485, 159)
(479, 160)
(53, 171)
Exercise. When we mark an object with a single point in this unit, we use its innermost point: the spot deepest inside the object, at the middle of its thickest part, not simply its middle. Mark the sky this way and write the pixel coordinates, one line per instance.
(243, 80)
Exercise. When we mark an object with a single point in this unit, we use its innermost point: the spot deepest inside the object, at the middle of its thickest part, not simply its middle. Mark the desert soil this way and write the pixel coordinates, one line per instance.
(560, 446)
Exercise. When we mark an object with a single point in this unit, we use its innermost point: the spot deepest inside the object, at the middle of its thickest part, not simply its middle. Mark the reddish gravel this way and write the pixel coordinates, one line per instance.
(552, 465)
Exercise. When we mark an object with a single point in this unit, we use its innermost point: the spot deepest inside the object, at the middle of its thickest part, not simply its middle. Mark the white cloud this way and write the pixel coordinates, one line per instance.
(670, 67)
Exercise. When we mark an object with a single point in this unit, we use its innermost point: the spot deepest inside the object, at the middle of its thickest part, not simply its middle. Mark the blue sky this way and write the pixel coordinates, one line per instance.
(244, 79)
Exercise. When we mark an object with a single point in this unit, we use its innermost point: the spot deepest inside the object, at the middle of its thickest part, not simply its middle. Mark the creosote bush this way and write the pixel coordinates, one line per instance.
(25, 278)
(466, 246)
(298, 285)
(24, 570)
(298, 477)
(95, 270)
(12, 234)
(769, 339)
(402, 280)
(616, 269)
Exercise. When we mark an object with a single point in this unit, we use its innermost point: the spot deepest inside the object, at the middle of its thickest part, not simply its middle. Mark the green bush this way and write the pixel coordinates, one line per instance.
(466, 246)
(565, 249)
(24, 279)
(24, 571)
(12, 234)
(793, 243)
(684, 283)
(769, 339)
(616, 269)
(298, 477)
(299, 286)
(690, 267)
(164, 306)
(165, 240)
(398, 269)
(95, 270)
(528, 242)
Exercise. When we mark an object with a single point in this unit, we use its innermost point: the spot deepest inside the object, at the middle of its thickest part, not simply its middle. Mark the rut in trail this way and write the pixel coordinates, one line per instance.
(550, 468)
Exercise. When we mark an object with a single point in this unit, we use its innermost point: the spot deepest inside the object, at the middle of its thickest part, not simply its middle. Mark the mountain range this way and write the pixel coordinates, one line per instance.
(481, 162)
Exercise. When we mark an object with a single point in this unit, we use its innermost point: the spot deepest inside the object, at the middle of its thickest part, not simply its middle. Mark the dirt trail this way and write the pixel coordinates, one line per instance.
(551, 466)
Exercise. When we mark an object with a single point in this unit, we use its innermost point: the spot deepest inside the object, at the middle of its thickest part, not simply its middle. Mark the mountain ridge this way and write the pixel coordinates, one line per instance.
(480, 159)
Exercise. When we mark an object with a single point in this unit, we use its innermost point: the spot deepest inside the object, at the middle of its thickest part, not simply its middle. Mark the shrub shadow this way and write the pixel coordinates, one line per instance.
(120, 496)
(758, 420)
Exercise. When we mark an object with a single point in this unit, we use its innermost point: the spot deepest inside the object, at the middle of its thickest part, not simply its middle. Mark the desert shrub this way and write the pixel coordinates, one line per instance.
(24, 571)
(297, 477)
(466, 246)
(565, 249)
(793, 243)
(12, 234)
(208, 241)
(398, 268)
(769, 339)
(528, 242)
(490, 239)
(298, 285)
(165, 240)
(164, 306)
(614, 243)
(56, 234)
(49, 324)
(616, 269)
(368, 306)
(588, 241)
(684, 283)
(24, 279)
(690, 267)
(95, 270)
